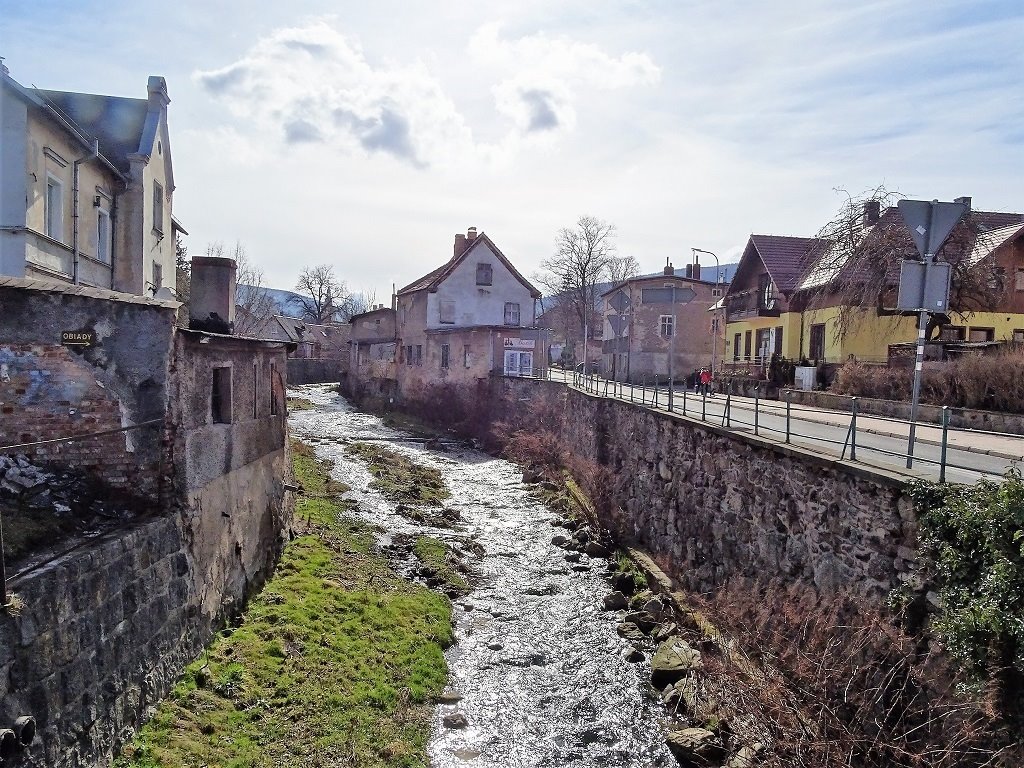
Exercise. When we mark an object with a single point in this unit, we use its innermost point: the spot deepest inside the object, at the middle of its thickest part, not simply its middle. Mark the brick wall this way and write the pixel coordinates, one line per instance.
(50, 391)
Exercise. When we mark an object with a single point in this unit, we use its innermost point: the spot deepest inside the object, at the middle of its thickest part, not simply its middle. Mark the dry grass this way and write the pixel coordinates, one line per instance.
(992, 382)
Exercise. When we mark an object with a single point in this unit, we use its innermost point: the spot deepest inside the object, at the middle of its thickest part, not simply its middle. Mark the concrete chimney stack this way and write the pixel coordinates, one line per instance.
(669, 270)
(471, 234)
(212, 294)
(460, 246)
(965, 200)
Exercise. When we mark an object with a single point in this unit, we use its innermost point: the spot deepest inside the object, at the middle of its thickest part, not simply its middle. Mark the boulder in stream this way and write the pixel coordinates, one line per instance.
(629, 631)
(672, 661)
(624, 583)
(559, 540)
(696, 748)
(458, 720)
(615, 601)
(644, 621)
(594, 549)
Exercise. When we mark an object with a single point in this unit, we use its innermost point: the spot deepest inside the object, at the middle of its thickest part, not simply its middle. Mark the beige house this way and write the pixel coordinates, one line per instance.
(660, 324)
(373, 348)
(86, 184)
(472, 317)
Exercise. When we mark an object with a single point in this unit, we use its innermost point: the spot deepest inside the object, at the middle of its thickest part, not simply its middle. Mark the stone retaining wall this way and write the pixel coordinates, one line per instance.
(710, 505)
(105, 630)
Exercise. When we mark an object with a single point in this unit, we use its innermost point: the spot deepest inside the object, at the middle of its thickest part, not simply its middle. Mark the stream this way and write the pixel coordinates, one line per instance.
(542, 674)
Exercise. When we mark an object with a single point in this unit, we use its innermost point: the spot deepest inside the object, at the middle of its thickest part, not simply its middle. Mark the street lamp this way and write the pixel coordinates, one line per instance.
(718, 281)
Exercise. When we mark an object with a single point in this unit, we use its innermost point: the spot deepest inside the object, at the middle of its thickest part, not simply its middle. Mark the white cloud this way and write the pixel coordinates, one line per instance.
(312, 85)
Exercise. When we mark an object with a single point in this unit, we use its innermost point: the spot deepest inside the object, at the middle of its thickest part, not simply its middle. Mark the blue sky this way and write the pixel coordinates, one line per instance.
(366, 134)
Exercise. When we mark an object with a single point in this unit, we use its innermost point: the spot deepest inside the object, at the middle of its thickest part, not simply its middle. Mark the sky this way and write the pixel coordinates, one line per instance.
(364, 135)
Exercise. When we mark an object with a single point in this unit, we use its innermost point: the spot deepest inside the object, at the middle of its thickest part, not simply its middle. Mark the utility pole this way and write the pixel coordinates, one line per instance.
(718, 281)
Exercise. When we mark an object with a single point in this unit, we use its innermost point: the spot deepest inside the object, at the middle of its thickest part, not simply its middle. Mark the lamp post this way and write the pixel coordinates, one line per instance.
(718, 280)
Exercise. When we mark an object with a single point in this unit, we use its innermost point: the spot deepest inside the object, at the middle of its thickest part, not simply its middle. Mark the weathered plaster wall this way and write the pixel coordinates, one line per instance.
(106, 629)
(48, 390)
(710, 505)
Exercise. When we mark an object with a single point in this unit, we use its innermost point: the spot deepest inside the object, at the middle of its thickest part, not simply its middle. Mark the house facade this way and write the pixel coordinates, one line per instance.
(790, 294)
(472, 317)
(373, 351)
(86, 185)
(660, 325)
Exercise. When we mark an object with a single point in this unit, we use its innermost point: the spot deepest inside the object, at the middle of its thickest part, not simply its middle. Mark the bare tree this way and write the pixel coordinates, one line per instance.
(622, 268)
(322, 295)
(856, 258)
(357, 303)
(583, 258)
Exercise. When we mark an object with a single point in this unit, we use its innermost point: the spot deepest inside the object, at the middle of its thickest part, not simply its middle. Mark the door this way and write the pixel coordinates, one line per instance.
(511, 363)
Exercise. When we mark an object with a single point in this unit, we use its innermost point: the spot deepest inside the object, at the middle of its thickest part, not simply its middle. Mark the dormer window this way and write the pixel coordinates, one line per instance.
(483, 274)
(158, 207)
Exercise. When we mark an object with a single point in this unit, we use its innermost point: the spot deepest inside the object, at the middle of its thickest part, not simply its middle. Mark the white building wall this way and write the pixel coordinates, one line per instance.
(480, 304)
(13, 162)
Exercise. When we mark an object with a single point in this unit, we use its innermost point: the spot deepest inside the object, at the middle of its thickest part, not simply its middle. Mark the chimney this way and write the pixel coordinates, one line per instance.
(965, 200)
(212, 294)
(471, 233)
(460, 246)
(669, 269)
(696, 270)
(872, 212)
(689, 270)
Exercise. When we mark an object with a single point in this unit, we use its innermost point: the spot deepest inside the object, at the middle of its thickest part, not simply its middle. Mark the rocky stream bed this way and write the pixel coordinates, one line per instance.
(561, 658)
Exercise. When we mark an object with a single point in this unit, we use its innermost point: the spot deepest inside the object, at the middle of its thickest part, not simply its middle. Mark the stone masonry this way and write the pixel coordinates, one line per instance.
(710, 505)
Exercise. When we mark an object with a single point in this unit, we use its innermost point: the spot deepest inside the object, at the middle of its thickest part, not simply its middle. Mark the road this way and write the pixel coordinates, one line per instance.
(878, 441)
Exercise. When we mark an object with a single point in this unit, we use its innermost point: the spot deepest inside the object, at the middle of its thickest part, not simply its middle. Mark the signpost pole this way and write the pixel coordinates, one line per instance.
(922, 324)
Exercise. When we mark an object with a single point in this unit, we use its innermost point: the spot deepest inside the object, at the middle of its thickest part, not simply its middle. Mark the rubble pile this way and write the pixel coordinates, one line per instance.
(42, 506)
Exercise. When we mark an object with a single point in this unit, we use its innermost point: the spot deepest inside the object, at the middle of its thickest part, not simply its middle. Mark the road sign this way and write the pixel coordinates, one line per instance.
(930, 222)
(619, 302)
(618, 323)
(924, 285)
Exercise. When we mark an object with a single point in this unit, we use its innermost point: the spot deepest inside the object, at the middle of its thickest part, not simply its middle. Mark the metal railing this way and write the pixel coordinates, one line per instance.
(811, 427)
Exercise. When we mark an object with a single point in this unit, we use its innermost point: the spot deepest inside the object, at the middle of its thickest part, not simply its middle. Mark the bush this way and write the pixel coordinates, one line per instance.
(991, 382)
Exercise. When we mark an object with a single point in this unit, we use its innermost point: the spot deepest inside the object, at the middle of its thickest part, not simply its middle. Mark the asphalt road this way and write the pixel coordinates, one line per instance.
(880, 441)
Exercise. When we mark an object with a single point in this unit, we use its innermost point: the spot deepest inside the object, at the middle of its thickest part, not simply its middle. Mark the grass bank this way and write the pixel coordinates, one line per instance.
(336, 662)
(400, 479)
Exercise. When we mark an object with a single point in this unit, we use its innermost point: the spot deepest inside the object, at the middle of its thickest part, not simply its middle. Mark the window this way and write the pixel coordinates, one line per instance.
(103, 235)
(273, 390)
(158, 207)
(953, 333)
(762, 342)
(1019, 283)
(765, 292)
(54, 208)
(736, 346)
(419, 354)
(158, 277)
(981, 334)
(716, 293)
(220, 396)
(511, 313)
(483, 274)
(1018, 335)
(447, 312)
(746, 345)
(656, 295)
(445, 355)
(666, 325)
(778, 341)
(467, 358)
(255, 389)
(817, 349)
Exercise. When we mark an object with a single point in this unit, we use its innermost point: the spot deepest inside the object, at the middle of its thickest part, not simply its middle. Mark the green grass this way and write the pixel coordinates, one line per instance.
(438, 557)
(400, 479)
(336, 662)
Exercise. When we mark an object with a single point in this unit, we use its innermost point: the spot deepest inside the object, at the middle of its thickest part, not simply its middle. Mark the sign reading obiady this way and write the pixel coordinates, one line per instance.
(78, 338)
(511, 343)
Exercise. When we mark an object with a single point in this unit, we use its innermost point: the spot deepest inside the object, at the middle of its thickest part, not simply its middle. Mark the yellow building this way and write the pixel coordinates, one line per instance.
(780, 301)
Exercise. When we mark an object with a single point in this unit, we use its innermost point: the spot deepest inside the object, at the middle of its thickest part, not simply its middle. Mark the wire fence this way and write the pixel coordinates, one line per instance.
(948, 451)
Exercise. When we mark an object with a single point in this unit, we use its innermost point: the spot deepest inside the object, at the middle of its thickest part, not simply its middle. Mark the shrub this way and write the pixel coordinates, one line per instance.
(986, 381)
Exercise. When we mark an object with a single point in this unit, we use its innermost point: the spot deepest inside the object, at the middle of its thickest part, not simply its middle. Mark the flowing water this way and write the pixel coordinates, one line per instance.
(542, 674)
